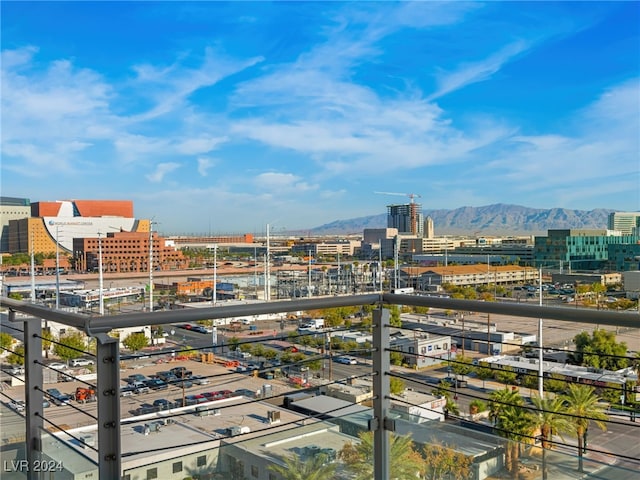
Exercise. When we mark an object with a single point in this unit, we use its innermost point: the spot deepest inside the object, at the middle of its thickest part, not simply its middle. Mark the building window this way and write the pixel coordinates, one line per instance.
(202, 460)
(255, 473)
(152, 473)
(177, 467)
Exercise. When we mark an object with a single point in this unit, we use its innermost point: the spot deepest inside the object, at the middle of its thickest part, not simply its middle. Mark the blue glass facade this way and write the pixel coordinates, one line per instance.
(583, 249)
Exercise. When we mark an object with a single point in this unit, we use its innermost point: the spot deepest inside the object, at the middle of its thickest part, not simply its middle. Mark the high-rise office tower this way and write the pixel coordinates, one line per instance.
(407, 218)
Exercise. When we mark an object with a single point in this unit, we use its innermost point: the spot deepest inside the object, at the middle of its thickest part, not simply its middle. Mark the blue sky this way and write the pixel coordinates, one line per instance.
(223, 117)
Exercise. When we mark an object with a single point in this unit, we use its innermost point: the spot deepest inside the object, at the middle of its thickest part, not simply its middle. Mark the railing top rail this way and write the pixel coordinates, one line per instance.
(91, 325)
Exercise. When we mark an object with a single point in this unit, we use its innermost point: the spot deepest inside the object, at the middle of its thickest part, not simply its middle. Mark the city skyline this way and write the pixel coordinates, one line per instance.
(224, 117)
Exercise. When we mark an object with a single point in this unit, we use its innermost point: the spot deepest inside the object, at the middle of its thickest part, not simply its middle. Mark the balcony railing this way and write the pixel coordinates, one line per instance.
(41, 445)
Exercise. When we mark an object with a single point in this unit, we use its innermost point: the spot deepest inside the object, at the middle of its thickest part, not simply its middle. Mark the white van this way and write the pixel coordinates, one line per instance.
(239, 354)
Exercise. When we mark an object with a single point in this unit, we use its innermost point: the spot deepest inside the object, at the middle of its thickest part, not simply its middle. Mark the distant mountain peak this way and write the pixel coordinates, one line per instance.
(497, 219)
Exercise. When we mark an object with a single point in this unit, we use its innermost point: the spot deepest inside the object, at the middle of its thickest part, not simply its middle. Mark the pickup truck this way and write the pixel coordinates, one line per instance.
(58, 398)
(181, 372)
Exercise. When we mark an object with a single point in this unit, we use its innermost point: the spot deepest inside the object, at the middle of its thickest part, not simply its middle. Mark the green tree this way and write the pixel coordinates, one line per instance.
(396, 358)
(258, 350)
(499, 400)
(555, 383)
(476, 405)
(135, 341)
(583, 407)
(506, 377)
(233, 343)
(47, 338)
(394, 319)
(16, 357)
(71, 345)
(270, 354)
(516, 424)
(600, 350)
(442, 461)
(6, 340)
(316, 467)
(396, 385)
(484, 374)
(549, 417)
(305, 341)
(462, 365)
(405, 462)
(529, 380)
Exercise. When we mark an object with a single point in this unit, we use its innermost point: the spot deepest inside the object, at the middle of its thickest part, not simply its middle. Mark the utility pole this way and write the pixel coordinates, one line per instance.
(267, 269)
(309, 279)
(540, 355)
(57, 269)
(33, 273)
(214, 298)
(151, 266)
(100, 276)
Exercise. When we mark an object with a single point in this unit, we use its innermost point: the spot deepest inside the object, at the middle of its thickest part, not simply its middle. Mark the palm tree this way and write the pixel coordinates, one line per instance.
(405, 461)
(581, 404)
(502, 399)
(516, 424)
(551, 420)
(313, 468)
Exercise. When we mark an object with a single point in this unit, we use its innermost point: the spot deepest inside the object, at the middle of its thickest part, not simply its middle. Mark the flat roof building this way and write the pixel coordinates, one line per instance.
(11, 209)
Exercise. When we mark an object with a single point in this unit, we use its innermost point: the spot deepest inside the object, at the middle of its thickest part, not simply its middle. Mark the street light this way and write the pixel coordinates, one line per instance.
(57, 269)
(214, 298)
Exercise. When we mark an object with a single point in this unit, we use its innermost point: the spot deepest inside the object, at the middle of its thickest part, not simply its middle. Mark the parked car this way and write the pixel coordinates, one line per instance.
(181, 372)
(199, 380)
(146, 408)
(17, 405)
(194, 399)
(58, 398)
(156, 384)
(81, 362)
(58, 366)
(460, 383)
(13, 369)
(345, 360)
(170, 378)
(138, 377)
(163, 403)
(244, 392)
(183, 383)
(127, 391)
(139, 387)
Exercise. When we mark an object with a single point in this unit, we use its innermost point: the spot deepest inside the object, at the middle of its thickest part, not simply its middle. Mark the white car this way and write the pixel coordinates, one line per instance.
(58, 366)
(15, 370)
(81, 362)
(17, 405)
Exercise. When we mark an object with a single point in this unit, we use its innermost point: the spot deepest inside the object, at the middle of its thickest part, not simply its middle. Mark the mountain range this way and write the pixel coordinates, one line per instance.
(498, 219)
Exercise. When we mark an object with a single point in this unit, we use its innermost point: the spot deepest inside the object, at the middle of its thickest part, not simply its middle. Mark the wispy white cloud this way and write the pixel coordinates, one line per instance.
(204, 165)
(282, 183)
(198, 145)
(169, 87)
(162, 169)
(473, 72)
(600, 147)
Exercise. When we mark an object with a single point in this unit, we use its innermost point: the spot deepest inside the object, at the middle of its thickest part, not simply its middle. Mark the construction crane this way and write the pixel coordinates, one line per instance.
(410, 195)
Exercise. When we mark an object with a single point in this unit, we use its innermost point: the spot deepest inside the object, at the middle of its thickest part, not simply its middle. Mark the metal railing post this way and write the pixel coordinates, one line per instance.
(33, 394)
(380, 423)
(109, 444)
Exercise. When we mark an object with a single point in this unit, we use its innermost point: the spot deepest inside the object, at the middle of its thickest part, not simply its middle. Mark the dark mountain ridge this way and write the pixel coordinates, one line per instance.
(498, 219)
